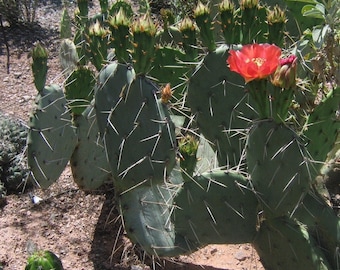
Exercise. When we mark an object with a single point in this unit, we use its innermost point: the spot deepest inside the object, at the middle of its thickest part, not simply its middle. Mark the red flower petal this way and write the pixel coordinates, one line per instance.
(254, 61)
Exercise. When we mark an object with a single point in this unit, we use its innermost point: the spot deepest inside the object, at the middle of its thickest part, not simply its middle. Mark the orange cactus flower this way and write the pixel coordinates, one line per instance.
(254, 61)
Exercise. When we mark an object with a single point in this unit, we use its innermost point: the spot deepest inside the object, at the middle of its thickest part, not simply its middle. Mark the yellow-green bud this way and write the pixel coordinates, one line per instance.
(119, 19)
(39, 51)
(201, 9)
(97, 30)
(277, 15)
(186, 24)
(144, 25)
(227, 5)
(249, 4)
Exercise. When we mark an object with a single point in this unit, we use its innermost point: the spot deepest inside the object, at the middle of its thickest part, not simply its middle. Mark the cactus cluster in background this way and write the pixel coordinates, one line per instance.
(13, 162)
(212, 130)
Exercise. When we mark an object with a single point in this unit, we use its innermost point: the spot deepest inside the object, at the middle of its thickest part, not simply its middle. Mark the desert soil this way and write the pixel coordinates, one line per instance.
(83, 229)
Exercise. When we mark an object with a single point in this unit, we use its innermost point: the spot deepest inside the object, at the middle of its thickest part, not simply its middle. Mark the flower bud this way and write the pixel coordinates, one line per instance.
(249, 4)
(285, 74)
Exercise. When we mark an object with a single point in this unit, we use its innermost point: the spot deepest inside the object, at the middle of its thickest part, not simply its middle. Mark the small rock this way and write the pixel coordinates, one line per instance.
(240, 256)
(6, 79)
(17, 74)
(26, 97)
(136, 267)
(213, 251)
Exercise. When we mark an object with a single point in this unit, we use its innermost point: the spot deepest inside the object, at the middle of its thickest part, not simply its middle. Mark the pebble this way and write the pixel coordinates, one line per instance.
(240, 256)
(136, 267)
(17, 74)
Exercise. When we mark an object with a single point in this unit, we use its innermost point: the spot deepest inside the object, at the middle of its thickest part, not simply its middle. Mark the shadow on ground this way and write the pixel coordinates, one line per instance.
(127, 255)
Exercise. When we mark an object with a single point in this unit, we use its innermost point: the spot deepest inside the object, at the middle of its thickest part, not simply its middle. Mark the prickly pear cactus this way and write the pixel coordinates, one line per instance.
(268, 150)
(278, 167)
(51, 136)
(79, 89)
(301, 250)
(219, 102)
(129, 113)
(225, 210)
(90, 168)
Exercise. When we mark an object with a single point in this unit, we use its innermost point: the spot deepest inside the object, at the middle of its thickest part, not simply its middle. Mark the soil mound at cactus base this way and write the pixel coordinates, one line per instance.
(78, 227)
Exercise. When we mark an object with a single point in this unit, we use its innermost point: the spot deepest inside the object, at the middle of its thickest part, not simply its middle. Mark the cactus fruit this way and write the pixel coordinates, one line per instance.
(39, 66)
(206, 26)
(144, 32)
(97, 38)
(43, 260)
(120, 36)
(65, 25)
(188, 147)
(51, 136)
(188, 31)
(277, 20)
(227, 12)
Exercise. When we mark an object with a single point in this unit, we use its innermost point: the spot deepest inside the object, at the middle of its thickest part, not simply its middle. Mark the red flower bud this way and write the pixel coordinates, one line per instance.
(285, 74)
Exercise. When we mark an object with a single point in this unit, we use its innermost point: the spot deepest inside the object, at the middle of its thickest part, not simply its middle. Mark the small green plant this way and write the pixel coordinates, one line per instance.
(43, 260)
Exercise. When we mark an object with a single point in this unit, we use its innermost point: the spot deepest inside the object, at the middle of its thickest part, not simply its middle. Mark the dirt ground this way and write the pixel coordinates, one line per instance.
(83, 229)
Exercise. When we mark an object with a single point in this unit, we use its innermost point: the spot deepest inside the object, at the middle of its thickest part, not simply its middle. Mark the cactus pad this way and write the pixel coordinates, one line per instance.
(279, 167)
(51, 137)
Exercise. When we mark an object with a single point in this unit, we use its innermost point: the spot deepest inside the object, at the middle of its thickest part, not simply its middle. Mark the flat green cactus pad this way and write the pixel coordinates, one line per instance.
(51, 137)
(217, 97)
(89, 164)
(216, 208)
(279, 167)
(283, 243)
(139, 134)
